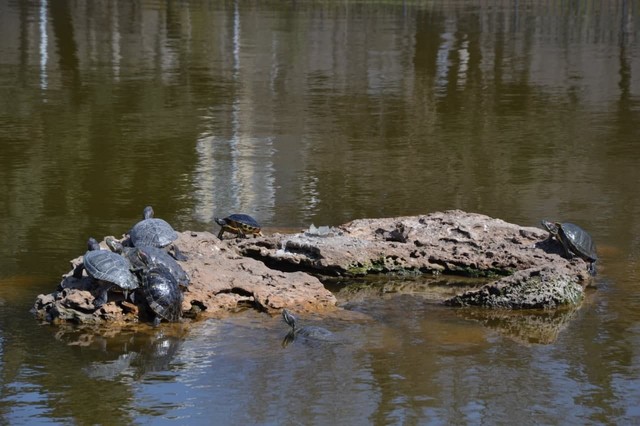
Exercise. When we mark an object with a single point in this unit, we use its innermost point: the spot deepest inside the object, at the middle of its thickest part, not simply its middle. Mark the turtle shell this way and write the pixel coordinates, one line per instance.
(162, 293)
(578, 241)
(157, 256)
(239, 224)
(110, 267)
(154, 256)
(152, 232)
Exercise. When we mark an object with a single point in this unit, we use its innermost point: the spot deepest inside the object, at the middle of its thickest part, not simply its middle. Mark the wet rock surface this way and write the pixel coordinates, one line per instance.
(521, 267)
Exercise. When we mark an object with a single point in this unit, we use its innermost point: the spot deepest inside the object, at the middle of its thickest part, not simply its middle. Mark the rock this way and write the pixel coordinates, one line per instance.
(273, 272)
(221, 281)
(532, 288)
(452, 242)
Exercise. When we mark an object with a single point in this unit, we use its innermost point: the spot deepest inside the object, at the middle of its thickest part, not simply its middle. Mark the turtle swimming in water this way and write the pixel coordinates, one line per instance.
(109, 269)
(161, 290)
(156, 256)
(239, 224)
(154, 232)
(309, 332)
(574, 240)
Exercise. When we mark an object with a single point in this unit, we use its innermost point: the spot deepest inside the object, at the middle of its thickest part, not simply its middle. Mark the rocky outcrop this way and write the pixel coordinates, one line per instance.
(524, 267)
(534, 273)
(451, 242)
(221, 281)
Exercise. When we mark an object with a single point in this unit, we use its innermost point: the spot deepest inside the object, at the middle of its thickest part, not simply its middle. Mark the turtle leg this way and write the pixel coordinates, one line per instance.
(565, 246)
(177, 253)
(102, 297)
(156, 320)
(592, 268)
(220, 233)
(77, 272)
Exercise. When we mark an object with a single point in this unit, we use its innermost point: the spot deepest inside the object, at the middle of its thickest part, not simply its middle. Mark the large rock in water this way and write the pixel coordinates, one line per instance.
(525, 266)
(535, 275)
(221, 281)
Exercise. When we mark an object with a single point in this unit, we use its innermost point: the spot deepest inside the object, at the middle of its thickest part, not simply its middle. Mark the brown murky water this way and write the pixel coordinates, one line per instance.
(303, 112)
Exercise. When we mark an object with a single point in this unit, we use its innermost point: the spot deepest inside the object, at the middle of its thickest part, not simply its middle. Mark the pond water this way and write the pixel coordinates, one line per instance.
(302, 112)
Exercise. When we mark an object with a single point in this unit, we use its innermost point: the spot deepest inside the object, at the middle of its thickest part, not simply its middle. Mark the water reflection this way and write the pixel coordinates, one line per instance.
(133, 354)
(321, 112)
(523, 327)
(235, 173)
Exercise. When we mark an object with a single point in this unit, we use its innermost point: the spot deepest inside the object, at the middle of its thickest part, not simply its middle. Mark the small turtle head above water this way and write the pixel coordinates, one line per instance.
(289, 318)
(309, 332)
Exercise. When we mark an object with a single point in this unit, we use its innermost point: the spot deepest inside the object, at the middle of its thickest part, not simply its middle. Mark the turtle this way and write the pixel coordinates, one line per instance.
(156, 256)
(161, 291)
(239, 224)
(154, 232)
(310, 332)
(109, 269)
(574, 240)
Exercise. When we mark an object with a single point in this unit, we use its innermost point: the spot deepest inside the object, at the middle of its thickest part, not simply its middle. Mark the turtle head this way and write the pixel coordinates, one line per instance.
(143, 256)
(219, 221)
(147, 213)
(552, 227)
(289, 318)
(92, 244)
(114, 245)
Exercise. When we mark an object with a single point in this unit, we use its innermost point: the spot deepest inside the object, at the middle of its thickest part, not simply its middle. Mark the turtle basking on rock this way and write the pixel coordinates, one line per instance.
(161, 291)
(154, 232)
(574, 240)
(109, 269)
(156, 256)
(239, 224)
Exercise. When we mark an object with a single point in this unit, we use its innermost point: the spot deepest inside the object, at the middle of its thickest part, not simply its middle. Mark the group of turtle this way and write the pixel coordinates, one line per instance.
(145, 263)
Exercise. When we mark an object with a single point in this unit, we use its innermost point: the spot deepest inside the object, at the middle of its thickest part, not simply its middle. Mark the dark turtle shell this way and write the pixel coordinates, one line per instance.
(154, 256)
(107, 266)
(239, 224)
(574, 240)
(152, 232)
(162, 293)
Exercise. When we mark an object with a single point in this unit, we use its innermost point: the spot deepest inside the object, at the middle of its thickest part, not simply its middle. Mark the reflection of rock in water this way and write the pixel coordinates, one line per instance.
(132, 353)
(432, 288)
(528, 327)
